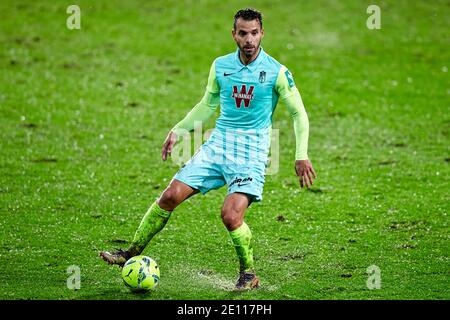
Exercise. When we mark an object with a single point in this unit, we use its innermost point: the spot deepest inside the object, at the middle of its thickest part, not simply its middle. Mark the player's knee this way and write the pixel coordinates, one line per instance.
(231, 218)
(169, 199)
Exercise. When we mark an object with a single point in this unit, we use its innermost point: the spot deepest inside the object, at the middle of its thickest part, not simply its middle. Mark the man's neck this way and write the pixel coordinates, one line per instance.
(247, 60)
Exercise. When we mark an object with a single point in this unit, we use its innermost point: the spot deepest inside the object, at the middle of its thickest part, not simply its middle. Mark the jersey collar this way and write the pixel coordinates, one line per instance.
(254, 64)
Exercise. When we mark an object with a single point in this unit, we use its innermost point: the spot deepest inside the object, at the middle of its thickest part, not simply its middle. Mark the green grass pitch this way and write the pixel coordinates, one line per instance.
(83, 115)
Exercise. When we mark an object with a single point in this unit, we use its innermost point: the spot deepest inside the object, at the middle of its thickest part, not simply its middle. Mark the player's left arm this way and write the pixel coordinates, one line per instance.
(201, 112)
(290, 96)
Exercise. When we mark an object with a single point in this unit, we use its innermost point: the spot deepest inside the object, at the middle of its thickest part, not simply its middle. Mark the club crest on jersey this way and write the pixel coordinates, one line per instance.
(262, 77)
(243, 94)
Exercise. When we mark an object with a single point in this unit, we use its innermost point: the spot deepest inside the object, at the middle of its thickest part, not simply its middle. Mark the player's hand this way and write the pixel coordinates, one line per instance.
(305, 172)
(168, 145)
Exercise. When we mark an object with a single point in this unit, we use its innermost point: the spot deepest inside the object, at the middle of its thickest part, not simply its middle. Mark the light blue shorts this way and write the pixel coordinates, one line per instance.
(211, 168)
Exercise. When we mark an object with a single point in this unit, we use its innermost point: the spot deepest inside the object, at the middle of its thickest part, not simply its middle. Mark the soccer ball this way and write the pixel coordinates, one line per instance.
(140, 274)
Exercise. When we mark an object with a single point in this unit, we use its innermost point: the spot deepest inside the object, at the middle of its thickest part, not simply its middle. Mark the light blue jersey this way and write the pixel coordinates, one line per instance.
(236, 153)
(247, 92)
(247, 101)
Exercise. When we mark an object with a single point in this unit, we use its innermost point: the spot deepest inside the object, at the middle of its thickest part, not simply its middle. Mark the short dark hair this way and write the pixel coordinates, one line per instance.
(248, 14)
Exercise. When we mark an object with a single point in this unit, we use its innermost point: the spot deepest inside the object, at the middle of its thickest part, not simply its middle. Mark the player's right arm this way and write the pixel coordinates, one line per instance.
(200, 113)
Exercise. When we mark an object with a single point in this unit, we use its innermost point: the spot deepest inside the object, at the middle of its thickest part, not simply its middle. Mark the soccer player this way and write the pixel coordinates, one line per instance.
(247, 85)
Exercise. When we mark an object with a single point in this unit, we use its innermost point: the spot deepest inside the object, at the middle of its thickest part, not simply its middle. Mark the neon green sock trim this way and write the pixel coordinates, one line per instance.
(241, 238)
(153, 221)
